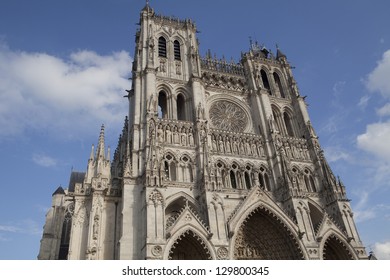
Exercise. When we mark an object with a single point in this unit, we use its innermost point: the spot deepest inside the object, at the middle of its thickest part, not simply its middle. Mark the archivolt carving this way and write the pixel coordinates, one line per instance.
(189, 245)
(335, 249)
(263, 236)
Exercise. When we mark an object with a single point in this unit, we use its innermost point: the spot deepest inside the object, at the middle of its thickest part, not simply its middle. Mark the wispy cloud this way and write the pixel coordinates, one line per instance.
(44, 160)
(334, 153)
(9, 228)
(363, 102)
(336, 121)
(63, 96)
(26, 226)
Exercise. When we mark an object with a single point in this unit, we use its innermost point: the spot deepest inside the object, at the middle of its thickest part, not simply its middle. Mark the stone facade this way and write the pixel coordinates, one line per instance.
(217, 160)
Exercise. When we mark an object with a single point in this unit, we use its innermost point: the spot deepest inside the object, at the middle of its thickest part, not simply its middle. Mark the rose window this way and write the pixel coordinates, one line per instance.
(228, 116)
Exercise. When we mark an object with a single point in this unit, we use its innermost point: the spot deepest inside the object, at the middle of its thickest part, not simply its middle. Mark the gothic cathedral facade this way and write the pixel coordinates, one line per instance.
(217, 160)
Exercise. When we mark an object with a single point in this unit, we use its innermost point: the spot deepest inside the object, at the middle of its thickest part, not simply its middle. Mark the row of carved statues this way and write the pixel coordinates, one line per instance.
(237, 145)
(293, 148)
(178, 134)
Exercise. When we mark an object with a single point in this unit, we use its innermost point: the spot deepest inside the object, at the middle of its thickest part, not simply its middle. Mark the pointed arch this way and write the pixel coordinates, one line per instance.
(233, 179)
(186, 168)
(262, 235)
(264, 178)
(189, 245)
(162, 109)
(183, 104)
(170, 166)
(248, 184)
(177, 50)
(288, 124)
(309, 181)
(336, 249)
(181, 107)
(66, 231)
(181, 196)
(278, 85)
(264, 78)
(277, 117)
(162, 47)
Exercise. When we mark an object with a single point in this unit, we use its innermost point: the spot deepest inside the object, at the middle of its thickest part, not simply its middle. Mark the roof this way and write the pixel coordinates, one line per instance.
(75, 177)
(59, 190)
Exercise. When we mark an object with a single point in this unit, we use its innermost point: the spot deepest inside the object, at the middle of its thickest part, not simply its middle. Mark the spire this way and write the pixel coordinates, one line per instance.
(279, 53)
(100, 148)
(147, 7)
(92, 155)
(108, 153)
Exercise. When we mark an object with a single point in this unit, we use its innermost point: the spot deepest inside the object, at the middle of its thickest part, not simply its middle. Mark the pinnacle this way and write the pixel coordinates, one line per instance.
(100, 148)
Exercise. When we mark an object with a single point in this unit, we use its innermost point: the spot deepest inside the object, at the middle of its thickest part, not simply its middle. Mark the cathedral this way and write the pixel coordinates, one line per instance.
(216, 160)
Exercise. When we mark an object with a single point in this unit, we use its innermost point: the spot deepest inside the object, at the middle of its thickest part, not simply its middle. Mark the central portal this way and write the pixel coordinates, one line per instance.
(263, 237)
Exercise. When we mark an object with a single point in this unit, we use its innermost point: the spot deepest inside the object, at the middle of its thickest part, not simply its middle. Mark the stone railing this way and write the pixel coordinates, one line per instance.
(222, 66)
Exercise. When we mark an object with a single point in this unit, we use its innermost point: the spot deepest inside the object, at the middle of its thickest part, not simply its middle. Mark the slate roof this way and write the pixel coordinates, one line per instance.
(75, 177)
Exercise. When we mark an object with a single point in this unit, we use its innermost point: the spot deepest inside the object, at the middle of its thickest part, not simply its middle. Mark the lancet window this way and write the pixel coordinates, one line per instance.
(185, 170)
(309, 182)
(169, 168)
(162, 105)
(234, 182)
(162, 47)
(288, 124)
(176, 49)
(278, 85)
(264, 78)
(180, 105)
(264, 179)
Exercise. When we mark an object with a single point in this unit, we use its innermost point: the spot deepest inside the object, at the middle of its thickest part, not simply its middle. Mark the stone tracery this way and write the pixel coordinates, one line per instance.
(226, 115)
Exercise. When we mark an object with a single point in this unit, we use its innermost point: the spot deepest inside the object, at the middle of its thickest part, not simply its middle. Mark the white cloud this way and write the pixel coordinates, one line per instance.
(65, 97)
(376, 140)
(384, 111)
(382, 250)
(378, 80)
(44, 160)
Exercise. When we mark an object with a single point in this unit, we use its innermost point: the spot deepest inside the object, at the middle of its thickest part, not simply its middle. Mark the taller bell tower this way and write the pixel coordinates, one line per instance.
(217, 160)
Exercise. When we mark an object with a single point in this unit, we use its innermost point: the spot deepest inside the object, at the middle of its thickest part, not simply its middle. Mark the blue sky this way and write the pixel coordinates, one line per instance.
(64, 67)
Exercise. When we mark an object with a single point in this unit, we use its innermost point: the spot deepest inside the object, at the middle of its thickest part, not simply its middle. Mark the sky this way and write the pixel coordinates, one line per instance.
(64, 68)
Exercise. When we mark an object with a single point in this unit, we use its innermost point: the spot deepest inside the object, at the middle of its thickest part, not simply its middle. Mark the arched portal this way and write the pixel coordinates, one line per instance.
(335, 249)
(262, 237)
(189, 246)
